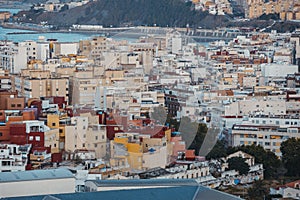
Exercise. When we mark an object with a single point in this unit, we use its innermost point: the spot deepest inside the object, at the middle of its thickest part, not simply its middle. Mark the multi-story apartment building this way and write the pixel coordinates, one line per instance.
(83, 86)
(37, 83)
(269, 137)
(13, 57)
(5, 80)
(93, 48)
(14, 157)
(31, 49)
(84, 135)
(287, 10)
(138, 151)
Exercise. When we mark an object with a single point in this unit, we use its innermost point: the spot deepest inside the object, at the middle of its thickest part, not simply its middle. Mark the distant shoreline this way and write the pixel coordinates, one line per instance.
(20, 6)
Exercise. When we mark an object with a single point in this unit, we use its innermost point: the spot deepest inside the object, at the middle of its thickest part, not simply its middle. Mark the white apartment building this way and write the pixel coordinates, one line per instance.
(13, 157)
(13, 57)
(256, 106)
(31, 49)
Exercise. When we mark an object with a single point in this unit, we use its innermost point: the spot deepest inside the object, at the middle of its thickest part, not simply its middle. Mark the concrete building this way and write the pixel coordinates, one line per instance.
(81, 135)
(42, 182)
(287, 10)
(5, 80)
(140, 152)
(269, 137)
(13, 57)
(38, 84)
(14, 157)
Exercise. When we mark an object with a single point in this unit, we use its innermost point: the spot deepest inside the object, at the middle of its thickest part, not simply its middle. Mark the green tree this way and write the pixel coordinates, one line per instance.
(218, 151)
(238, 164)
(199, 137)
(258, 191)
(291, 156)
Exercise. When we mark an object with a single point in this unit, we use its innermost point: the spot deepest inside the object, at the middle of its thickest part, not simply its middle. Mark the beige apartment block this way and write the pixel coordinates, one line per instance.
(82, 136)
(287, 9)
(269, 137)
(52, 140)
(42, 87)
(93, 48)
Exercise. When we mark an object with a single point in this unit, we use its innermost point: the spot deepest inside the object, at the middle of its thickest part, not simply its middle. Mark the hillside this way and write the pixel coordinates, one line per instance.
(130, 12)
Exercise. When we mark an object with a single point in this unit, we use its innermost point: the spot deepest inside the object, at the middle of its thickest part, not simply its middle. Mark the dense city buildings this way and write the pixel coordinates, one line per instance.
(85, 117)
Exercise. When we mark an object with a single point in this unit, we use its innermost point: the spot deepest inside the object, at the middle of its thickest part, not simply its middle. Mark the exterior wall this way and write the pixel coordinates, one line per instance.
(66, 48)
(4, 16)
(246, 107)
(59, 87)
(13, 58)
(52, 140)
(15, 103)
(84, 91)
(155, 159)
(291, 193)
(43, 51)
(82, 136)
(135, 160)
(37, 187)
(53, 121)
(36, 88)
(96, 140)
(249, 82)
(4, 133)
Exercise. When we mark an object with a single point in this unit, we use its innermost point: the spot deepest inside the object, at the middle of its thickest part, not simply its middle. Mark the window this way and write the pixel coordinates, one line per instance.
(53, 124)
(13, 105)
(19, 105)
(37, 138)
(30, 138)
(95, 145)
(1, 134)
(96, 137)
(61, 131)
(102, 137)
(83, 144)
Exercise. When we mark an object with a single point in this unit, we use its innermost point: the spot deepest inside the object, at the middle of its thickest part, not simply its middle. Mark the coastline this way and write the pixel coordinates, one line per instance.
(28, 27)
(21, 6)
